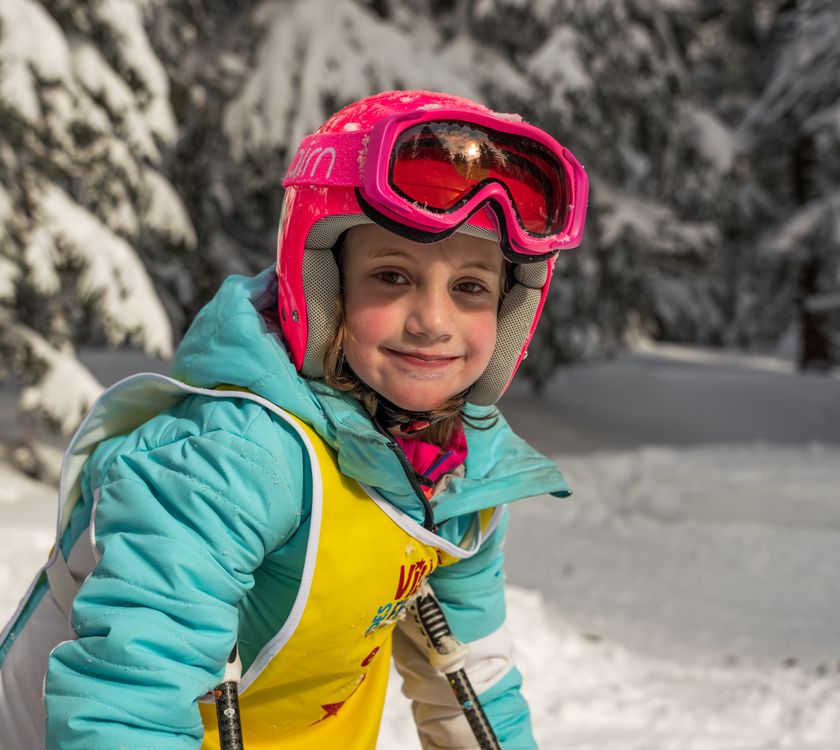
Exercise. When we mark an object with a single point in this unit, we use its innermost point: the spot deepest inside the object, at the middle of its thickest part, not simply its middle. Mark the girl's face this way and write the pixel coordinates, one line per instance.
(420, 319)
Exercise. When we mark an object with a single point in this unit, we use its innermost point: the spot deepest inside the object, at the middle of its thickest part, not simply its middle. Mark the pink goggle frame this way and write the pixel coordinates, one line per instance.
(375, 161)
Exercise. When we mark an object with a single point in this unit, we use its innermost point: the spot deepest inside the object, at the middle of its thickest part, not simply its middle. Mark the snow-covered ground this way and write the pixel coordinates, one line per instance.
(687, 596)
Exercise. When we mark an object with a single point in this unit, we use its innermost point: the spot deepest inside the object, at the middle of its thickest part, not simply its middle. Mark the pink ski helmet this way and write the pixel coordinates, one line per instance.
(424, 165)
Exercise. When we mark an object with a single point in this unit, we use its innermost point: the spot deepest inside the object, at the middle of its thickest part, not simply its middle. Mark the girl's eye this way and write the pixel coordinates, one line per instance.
(391, 277)
(472, 288)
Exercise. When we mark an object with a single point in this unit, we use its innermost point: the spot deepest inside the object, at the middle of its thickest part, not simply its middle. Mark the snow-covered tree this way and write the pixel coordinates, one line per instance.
(143, 144)
(85, 121)
(257, 77)
(611, 82)
(793, 133)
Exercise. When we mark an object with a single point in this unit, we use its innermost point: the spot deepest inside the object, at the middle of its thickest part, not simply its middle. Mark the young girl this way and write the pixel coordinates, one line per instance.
(326, 445)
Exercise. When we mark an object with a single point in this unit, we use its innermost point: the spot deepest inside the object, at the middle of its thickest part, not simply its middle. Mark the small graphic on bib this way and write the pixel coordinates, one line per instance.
(408, 584)
(369, 658)
(411, 579)
(332, 709)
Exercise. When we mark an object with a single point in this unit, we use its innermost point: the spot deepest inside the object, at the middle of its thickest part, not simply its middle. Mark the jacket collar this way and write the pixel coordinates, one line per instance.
(234, 341)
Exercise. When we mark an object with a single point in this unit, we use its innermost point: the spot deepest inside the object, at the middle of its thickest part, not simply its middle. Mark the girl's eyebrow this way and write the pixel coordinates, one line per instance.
(482, 266)
(388, 252)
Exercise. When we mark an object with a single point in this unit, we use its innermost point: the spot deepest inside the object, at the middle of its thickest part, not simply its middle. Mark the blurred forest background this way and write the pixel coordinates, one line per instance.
(143, 143)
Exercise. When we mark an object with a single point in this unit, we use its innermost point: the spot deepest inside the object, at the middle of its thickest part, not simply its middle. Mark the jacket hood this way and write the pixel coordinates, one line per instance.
(235, 340)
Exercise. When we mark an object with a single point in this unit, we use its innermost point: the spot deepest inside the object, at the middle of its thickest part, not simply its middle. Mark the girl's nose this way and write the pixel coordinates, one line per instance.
(430, 313)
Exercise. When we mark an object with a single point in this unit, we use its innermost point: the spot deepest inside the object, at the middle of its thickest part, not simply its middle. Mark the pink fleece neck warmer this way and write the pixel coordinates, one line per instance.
(431, 461)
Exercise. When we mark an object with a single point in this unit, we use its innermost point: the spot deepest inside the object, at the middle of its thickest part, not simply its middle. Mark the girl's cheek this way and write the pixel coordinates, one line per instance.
(366, 323)
(486, 331)
(362, 316)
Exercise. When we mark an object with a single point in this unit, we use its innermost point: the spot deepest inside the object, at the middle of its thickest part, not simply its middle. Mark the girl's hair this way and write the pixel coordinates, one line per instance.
(445, 420)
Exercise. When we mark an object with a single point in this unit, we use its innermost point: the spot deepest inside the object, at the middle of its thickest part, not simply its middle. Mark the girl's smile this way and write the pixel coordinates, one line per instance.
(420, 367)
(424, 361)
(420, 319)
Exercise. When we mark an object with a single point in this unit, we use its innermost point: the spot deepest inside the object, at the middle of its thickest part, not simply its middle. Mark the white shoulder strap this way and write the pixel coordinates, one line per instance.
(62, 584)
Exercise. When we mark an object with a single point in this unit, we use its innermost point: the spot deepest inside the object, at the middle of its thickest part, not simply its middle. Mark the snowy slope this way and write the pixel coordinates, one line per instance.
(686, 597)
(713, 554)
(671, 395)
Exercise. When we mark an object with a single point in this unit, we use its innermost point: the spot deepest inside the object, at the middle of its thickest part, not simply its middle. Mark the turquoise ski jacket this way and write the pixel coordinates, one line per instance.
(195, 508)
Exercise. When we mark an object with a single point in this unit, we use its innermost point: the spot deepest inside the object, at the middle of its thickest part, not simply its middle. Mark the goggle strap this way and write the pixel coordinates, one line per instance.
(328, 159)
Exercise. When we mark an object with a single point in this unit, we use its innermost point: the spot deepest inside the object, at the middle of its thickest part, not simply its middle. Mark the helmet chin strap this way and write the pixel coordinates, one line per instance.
(391, 416)
(407, 422)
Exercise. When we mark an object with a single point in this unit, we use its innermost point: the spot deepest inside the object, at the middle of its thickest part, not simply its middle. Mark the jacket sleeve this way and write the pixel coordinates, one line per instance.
(471, 593)
(181, 523)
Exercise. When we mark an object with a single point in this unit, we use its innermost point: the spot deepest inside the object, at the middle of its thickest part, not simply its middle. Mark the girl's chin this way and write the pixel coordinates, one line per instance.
(417, 401)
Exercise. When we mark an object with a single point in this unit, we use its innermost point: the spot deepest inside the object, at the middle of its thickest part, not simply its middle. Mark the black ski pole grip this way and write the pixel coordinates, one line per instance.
(227, 706)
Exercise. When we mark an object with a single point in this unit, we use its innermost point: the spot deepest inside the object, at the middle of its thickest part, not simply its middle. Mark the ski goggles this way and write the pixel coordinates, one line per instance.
(423, 174)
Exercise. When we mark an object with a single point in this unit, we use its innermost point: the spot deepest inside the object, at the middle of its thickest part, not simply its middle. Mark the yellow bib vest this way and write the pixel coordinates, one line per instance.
(320, 682)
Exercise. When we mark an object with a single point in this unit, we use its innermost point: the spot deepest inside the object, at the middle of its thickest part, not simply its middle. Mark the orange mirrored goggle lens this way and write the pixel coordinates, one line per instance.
(440, 165)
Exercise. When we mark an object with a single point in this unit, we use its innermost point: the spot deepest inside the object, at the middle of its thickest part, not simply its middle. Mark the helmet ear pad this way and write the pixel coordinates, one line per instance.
(518, 312)
(322, 287)
(518, 315)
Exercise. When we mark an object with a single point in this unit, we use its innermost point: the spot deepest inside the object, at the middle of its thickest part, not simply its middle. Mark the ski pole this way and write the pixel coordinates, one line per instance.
(447, 654)
(227, 704)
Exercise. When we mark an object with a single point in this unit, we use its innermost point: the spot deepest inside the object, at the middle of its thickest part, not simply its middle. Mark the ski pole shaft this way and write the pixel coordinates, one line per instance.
(474, 713)
(448, 655)
(227, 706)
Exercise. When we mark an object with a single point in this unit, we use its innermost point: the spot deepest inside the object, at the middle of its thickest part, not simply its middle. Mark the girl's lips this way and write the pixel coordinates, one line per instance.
(419, 359)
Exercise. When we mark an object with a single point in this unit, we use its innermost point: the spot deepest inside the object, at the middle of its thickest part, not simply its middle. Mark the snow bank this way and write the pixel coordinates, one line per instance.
(27, 530)
(702, 554)
(587, 693)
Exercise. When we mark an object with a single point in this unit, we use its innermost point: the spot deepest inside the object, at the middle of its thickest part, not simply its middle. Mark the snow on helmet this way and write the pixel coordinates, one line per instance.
(316, 212)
